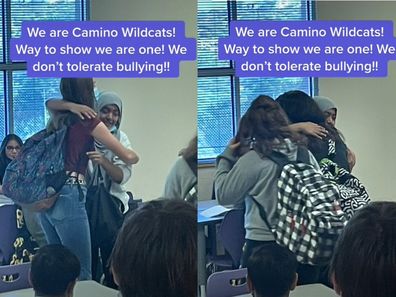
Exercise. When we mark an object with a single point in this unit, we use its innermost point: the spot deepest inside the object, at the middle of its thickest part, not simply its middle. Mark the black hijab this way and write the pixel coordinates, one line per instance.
(4, 160)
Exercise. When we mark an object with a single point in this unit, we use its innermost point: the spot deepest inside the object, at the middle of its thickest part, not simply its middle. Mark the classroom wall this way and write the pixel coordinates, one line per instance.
(366, 108)
(159, 115)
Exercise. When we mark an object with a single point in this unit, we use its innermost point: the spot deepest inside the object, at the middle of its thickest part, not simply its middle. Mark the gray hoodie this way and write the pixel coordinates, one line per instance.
(237, 180)
(180, 180)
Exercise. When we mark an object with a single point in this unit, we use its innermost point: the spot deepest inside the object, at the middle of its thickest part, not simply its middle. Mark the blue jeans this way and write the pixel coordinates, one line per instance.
(33, 224)
(67, 223)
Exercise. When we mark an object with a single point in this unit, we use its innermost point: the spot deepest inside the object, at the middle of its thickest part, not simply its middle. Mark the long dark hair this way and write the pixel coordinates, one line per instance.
(4, 160)
(263, 127)
(300, 107)
(76, 90)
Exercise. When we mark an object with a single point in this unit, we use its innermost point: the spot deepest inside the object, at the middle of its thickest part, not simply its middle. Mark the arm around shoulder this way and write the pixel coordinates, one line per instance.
(83, 111)
(116, 161)
(102, 134)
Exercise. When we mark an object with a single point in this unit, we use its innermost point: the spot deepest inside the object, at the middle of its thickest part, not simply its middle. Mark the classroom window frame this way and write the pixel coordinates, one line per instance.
(14, 72)
(235, 81)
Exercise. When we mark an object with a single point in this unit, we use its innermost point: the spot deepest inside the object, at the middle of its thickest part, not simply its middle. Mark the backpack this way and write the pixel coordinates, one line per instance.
(310, 218)
(36, 176)
(353, 194)
(103, 209)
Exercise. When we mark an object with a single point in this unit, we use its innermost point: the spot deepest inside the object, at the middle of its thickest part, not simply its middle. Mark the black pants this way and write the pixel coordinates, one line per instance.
(105, 252)
(307, 274)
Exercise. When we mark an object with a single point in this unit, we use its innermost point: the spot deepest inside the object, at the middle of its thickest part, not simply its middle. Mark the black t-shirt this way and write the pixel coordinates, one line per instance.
(320, 150)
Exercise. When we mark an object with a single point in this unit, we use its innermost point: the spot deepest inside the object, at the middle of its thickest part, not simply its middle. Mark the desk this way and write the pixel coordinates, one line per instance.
(314, 290)
(202, 222)
(82, 289)
(204, 205)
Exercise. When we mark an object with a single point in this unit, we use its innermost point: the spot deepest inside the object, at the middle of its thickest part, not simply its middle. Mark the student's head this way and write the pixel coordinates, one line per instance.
(54, 271)
(11, 146)
(364, 260)
(272, 271)
(300, 107)
(78, 90)
(328, 107)
(155, 254)
(190, 152)
(109, 108)
(263, 122)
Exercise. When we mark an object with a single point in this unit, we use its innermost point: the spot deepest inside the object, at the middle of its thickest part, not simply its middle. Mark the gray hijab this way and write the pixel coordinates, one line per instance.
(324, 103)
(109, 98)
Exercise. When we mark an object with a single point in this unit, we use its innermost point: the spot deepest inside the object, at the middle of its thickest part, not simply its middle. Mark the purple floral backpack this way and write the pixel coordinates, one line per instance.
(36, 176)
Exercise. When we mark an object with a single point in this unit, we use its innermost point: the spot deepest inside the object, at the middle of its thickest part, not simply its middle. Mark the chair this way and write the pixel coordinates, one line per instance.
(8, 232)
(20, 273)
(227, 283)
(232, 236)
(133, 203)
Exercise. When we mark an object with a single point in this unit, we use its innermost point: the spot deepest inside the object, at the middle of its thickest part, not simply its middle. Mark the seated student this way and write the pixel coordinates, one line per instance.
(27, 222)
(155, 254)
(181, 181)
(272, 271)
(54, 271)
(364, 260)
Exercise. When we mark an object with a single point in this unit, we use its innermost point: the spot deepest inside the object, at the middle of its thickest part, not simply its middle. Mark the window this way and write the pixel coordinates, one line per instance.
(223, 97)
(21, 97)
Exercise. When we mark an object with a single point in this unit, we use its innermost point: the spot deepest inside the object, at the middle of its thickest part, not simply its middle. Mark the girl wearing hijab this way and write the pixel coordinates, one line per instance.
(115, 173)
(329, 108)
(9, 150)
(24, 247)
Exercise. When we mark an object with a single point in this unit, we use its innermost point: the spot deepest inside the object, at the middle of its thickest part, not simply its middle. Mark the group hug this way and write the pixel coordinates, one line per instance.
(307, 217)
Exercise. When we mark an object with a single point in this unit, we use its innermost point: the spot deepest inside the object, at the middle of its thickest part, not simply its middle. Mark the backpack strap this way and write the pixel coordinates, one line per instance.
(303, 155)
(279, 158)
(192, 163)
(262, 212)
(282, 160)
